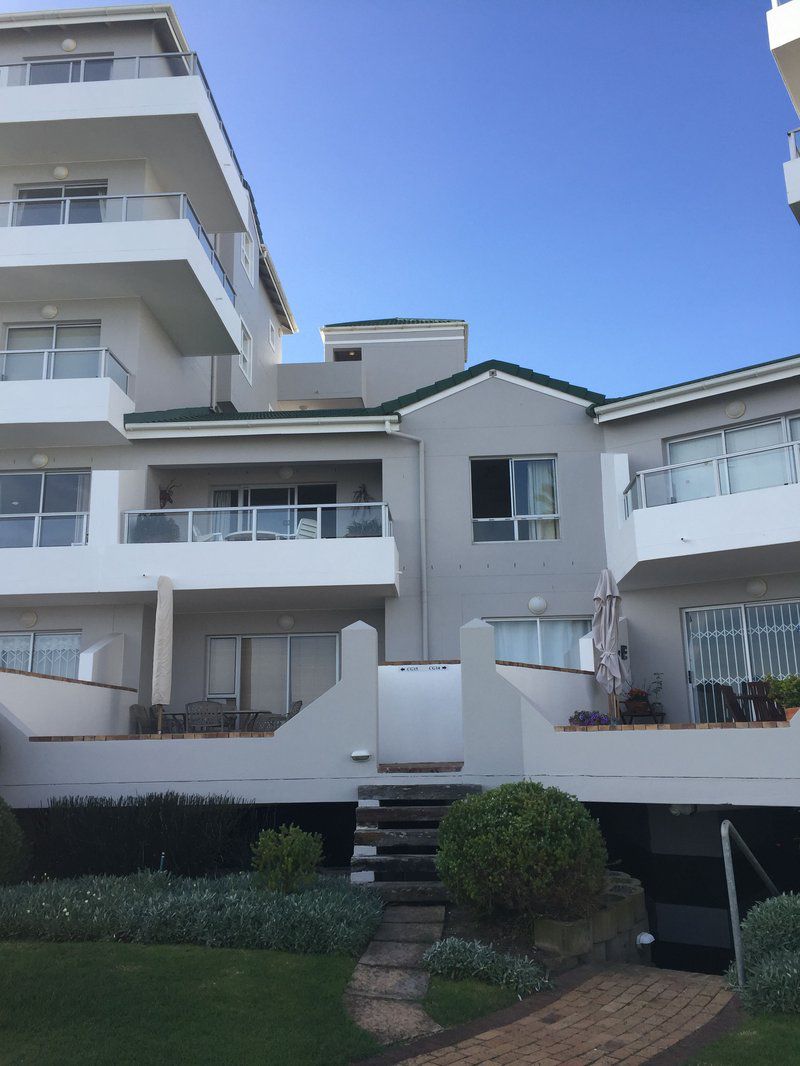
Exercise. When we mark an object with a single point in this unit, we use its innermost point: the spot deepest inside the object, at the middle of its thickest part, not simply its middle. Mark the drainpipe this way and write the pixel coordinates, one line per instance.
(423, 538)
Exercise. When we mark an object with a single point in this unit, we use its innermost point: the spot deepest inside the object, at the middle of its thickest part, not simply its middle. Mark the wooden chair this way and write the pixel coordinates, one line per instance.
(733, 704)
(765, 707)
(205, 716)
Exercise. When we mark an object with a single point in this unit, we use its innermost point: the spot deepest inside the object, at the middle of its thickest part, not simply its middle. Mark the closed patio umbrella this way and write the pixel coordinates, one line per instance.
(605, 636)
(162, 649)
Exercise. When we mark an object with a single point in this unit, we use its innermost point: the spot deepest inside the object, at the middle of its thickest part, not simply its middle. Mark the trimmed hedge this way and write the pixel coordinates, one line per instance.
(13, 847)
(522, 848)
(329, 918)
(773, 925)
(771, 944)
(773, 984)
(460, 959)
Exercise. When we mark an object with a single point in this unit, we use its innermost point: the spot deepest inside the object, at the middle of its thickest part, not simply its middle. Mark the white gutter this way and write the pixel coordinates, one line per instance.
(243, 427)
(423, 525)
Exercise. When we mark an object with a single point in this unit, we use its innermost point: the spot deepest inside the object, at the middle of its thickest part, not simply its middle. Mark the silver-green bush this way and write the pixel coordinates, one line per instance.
(773, 925)
(328, 918)
(773, 984)
(461, 959)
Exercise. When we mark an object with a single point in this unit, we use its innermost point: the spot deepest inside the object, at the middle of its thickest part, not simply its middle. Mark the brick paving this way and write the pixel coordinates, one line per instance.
(627, 1015)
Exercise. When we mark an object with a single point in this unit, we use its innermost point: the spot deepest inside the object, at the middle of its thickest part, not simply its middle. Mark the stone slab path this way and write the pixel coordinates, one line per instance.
(612, 1016)
(388, 982)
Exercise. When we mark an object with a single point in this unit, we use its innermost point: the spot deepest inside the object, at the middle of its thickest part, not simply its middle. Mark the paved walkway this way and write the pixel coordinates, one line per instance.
(603, 1017)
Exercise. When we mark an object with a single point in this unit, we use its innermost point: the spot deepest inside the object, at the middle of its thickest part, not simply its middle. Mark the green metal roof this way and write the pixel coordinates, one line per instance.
(399, 322)
(208, 414)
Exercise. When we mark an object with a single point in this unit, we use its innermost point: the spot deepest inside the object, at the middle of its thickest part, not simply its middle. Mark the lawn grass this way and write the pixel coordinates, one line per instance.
(453, 1002)
(103, 1003)
(762, 1040)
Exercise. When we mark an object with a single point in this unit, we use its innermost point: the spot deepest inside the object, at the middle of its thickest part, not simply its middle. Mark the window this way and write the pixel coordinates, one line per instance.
(347, 355)
(248, 256)
(540, 641)
(284, 508)
(44, 510)
(58, 71)
(52, 205)
(246, 354)
(270, 673)
(273, 336)
(514, 499)
(55, 351)
(55, 654)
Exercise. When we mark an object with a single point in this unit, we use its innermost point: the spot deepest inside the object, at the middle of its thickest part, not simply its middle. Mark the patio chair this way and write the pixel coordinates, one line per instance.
(765, 707)
(142, 719)
(733, 705)
(264, 722)
(206, 716)
(306, 529)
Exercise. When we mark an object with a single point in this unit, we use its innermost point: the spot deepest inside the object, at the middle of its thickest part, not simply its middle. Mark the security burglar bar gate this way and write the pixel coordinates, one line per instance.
(741, 642)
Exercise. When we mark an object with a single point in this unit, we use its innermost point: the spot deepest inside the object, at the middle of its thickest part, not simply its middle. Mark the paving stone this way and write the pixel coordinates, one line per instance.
(393, 953)
(423, 913)
(409, 932)
(390, 1020)
(388, 982)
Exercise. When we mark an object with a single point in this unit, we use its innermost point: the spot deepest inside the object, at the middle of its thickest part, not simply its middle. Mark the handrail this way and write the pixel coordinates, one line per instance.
(728, 833)
(48, 355)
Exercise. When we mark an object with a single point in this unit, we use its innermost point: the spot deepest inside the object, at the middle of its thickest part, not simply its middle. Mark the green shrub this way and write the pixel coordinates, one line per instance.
(94, 835)
(286, 859)
(773, 984)
(522, 848)
(462, 959)
(329, 918)
(786, 690)
(770, 926)
(13, 847)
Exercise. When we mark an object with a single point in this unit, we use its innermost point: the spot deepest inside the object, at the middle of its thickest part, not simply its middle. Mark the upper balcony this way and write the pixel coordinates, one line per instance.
(705, 520)
(150, 246)
(62, 396)
(791, 173)
(155, 107)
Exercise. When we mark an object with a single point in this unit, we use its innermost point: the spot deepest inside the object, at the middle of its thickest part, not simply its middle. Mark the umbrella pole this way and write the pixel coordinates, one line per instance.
(160, 710)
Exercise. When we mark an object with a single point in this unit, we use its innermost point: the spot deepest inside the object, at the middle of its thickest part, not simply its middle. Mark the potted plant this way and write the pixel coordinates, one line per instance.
(155, 528)
(637, 701)
(362, 526)
(654, 691)
(786, 690)
(589, 718)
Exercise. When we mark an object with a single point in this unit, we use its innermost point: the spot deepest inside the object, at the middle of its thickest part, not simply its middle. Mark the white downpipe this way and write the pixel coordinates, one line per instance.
(423, 537)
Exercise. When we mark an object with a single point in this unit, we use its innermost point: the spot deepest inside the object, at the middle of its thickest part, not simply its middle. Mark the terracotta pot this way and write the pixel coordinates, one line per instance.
(637, 707)
(791, 712)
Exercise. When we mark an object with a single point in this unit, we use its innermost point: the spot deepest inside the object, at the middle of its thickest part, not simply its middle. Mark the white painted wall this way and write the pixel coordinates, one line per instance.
(49, 706)
(420, 713)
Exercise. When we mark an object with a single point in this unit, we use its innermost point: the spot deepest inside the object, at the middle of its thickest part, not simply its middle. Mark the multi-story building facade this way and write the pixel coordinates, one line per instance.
(367, 535)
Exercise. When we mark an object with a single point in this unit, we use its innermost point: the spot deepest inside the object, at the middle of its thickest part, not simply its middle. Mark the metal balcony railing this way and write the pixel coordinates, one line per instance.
(38, 364)
(114, 68)
(723, 475)
(291, 522)
(141, 207)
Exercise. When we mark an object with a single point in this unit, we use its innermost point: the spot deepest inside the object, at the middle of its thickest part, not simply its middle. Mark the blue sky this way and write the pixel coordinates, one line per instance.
(595, 185)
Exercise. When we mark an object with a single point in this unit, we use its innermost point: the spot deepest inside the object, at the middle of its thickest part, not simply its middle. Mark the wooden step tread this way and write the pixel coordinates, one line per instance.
(420, 792)
(399, 865)
(406, 838)
(409, 891)
(420, 767)
(374, 816)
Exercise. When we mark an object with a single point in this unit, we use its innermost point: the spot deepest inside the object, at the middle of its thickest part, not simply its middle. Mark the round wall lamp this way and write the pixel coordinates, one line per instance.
(40, 460)
(61, 172)
(286, 621)
(285, 472)
(537, 605)
(735, 409)
(756, 587)
(49, 311)
(28, 619)
(69, 44)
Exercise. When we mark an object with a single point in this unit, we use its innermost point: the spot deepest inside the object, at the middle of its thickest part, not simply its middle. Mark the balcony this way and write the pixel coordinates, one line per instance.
(30, 364)
(150, 246)
(121, 108)
(703, 521)
(791, 173)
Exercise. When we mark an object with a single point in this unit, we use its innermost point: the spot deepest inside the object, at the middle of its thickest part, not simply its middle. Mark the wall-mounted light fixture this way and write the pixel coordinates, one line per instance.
(28, 619)
(61, 172)
(49, 311)
(286, 621)
(285, 472)
(360, 755)
(537, 605)
(40, 460)
(69, 44)
(756, 587)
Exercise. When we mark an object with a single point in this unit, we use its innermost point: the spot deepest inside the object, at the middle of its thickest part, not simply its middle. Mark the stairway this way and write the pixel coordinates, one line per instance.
(397, 830)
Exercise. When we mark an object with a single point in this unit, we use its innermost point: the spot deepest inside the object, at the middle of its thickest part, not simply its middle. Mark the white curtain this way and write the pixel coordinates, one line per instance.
(263, 674)
(517, 642)
(314, 666)
(560, 639)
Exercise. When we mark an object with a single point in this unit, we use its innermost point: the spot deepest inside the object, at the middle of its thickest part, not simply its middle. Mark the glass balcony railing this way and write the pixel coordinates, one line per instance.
(724, 475)
(63, 70)
(794, 143)
(82, 210)
(60, 364)
(217, 524)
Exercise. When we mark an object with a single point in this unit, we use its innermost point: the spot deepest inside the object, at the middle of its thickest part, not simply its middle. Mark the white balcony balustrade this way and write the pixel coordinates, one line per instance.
(62, 364)
(220, 524)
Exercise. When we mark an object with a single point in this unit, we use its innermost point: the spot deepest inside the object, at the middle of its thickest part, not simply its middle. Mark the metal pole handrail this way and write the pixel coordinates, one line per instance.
(728, 833)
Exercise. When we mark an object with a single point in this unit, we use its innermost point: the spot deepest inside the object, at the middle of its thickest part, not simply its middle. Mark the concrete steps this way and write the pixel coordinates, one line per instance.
(397, 830)
(420, 767)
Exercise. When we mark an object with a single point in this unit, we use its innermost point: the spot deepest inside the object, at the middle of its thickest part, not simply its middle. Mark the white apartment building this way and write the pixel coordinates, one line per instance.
(380, 562)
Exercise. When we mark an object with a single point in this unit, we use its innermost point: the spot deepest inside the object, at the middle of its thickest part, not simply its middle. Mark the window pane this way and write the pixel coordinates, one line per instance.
(560, 641)
(761, 470)
(65, 492)
(491, 489)
(56, 654)
(263, 674)
(50, 73)
(78, 336)
(499, 530)
(742, 440)
(534, 486)
(222, 666)
(61, 531)
(15, 651)
(37, 338)
(517, 641)
(314, 666)
(82, 364)
(773, 632)
(794, 428)
(20, 493)
(25, 366)
(543, 529)
(17, 532)
(684, 451)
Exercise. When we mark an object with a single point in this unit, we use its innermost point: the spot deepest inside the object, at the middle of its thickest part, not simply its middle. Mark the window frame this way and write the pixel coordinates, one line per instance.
(784, 420)
(33, 634)
(273, 336)
(41, 513)
(491, 619)
(516, 517)
(246, 353)
(239, 637)
(247, 254)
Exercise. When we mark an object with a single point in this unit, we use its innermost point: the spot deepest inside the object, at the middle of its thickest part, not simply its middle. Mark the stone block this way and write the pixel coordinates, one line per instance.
(565, 938)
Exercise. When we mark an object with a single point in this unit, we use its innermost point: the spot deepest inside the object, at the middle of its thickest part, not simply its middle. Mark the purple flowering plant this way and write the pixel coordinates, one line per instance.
(589, 718)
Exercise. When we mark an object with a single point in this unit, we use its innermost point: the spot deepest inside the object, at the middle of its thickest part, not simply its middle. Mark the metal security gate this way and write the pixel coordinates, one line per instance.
(743, 642)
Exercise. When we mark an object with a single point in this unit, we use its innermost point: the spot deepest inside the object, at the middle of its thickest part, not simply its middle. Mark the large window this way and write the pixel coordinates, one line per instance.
(44, 205)
(514, 499)
(270, 673)
(44, 510)
(540, 641)
(69, 350)
(54, 654)
(248, 256)
(286, 506)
